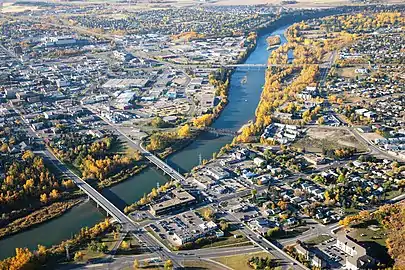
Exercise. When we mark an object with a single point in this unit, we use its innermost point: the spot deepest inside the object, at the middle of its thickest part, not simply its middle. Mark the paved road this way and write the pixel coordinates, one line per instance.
(286, 260)
(191, 255)
(374, 150)
(127, 224)
(148, 155)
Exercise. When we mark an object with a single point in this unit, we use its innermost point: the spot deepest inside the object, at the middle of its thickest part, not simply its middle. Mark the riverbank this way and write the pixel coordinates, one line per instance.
(38, 217)
(242, 102)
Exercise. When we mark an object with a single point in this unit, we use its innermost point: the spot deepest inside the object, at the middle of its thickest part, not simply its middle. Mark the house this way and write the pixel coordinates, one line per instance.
(357, 255)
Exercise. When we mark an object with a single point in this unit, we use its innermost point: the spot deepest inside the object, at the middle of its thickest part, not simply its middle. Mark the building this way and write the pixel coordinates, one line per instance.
(305, 252)
(259, 161)
(187, 227)
(217, 173)
(175, 199)
(357, 255)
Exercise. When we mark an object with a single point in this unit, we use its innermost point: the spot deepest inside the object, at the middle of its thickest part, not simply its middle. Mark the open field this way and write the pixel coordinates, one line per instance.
(372, 236)
(324, 138)
(239, 262)
(12, 8)
(200, 265)
(318, 239)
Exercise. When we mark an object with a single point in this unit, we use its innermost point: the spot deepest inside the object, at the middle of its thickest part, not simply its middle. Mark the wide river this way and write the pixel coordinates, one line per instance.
(243, 99)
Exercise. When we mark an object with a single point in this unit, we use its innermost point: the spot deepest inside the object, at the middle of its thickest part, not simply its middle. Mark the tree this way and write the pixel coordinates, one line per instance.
(208, 214)
(27, 155)
(224, 225)
(341, 178)
(4, 148)
(28, 184)
(168, 265)
(154, 193)
(203, 121)
(92, 246)
(136, 264)
(125, 245)
(68, 183)
(253, 192)
(78, 256)
(184, 131)
(43, 198)
(158, 122)
(54, 194)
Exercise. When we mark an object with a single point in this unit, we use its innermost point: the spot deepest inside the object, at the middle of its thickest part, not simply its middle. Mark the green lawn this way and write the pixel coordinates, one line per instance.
(133, 249)
(363, 233)
(229, 240)
(199, 265)
(107, 239)
(240, 262)
(392, 194)
(318, 239)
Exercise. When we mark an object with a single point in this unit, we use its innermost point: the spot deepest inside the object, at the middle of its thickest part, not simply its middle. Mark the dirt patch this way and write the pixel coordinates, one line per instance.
(12, 8)
(318, 139)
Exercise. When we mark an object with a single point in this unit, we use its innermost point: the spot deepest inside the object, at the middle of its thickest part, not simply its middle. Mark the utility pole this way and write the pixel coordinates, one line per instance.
(67, 253)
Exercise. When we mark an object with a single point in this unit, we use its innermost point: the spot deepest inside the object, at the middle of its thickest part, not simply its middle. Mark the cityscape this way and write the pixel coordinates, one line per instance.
(202, 134)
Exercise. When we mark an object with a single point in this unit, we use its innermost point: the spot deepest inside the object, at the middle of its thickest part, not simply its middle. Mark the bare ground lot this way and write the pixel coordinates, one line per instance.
(320, 138)
(12, 8)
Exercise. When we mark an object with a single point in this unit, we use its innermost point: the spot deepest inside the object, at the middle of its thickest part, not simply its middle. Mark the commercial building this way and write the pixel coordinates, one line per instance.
(357, 255)
(175, 199)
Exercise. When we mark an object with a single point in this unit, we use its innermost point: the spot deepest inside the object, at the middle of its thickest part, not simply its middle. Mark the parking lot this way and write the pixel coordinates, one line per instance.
(331, 253)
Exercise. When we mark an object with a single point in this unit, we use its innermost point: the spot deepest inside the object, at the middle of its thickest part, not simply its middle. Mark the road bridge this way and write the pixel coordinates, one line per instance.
(166, 168)
(247, 66)
(220, 131)
(127, 224)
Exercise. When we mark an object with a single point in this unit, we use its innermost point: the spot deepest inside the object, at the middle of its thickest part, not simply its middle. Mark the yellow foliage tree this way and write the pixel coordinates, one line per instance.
(184, 131)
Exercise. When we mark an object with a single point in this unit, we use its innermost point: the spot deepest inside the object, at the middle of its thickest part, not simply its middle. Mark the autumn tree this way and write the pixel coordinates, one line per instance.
(136, 264)
(184, 131)
(168, 265)
(78, 256)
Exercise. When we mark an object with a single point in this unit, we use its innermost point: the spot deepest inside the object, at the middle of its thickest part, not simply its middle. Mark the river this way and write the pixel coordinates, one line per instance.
(86, 214)
(243, 100)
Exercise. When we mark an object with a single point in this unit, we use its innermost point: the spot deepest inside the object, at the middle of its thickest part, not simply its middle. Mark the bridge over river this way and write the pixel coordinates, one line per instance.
(127, 224)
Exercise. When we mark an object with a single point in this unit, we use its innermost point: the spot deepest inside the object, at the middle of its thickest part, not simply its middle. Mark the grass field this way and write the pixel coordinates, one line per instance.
(318, 239)
(229, 240)
(107, 239)
(372, 236)
(239, 262)
(200, 265)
